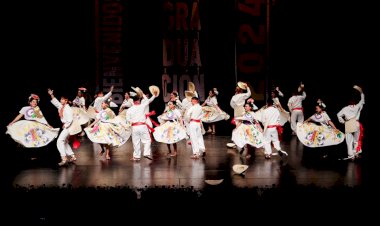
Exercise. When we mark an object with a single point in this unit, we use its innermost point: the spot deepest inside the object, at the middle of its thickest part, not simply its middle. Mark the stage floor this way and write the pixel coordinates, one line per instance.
(303, 166)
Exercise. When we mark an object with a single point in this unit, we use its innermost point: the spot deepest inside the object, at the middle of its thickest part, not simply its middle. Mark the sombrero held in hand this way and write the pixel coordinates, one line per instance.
(190, 94)
(138, 91)
(242, 85)
(154, 90)
(358, 88)
(191, 86)
(301, 87)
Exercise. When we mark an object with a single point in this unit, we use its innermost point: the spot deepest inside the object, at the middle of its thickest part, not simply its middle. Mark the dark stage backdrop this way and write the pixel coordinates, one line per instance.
(169, 43)
(67, 44)
(46, 44)
(217, 43)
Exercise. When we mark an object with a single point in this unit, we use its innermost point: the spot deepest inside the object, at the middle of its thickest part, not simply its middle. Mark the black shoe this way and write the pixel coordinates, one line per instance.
(282, 153)
(148, 157)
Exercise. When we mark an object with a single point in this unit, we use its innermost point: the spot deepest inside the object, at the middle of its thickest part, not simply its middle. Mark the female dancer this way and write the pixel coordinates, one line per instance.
(323, 133)
(171, 129)
(107, 130)
(248, 131)
(34, 131)
(79, 108)
(211, 111)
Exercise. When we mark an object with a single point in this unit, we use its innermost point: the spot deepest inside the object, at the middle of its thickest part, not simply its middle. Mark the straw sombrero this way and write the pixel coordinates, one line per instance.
(231, 145)
(138, 91)
(214, 182)
(239, 169)
(358, 88)
(351, 126)
(189, 94)
(154, 89)
(242, 85)
(301, 87)
(191, 86)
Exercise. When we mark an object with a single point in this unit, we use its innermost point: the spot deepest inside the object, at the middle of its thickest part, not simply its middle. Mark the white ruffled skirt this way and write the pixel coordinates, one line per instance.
(247, 134)
(32, 134)
(213, 114)
(111, 133)
(169, 133)
(313, 135)
(80, 115)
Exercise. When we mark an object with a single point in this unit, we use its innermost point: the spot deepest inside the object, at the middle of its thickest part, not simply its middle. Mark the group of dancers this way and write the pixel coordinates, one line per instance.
(265, 125)
(183, 120)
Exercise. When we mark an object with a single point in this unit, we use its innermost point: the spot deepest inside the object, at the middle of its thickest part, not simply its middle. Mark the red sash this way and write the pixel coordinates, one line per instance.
(148, 117)
(151, 130)
(361, 135)
(233, 121)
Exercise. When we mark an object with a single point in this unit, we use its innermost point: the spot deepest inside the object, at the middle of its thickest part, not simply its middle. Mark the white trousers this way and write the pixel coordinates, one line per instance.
(271, 135)
(63, 144)
(140, 134)
(196, 138)
(351, 141)
(296, 116)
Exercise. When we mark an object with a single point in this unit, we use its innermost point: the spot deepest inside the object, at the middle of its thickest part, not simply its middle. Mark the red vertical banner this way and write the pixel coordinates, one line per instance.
(252, 50)
(109, 19)
(181, 53)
